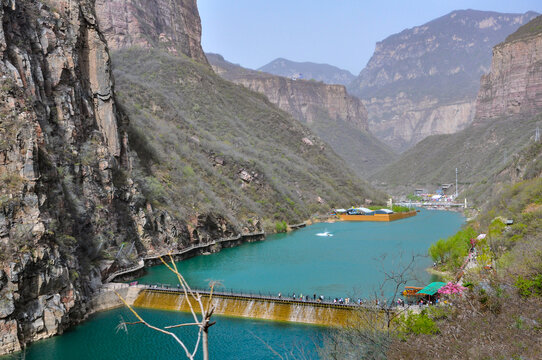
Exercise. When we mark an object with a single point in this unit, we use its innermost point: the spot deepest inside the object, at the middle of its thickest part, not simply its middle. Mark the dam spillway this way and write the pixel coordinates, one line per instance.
(250, 307)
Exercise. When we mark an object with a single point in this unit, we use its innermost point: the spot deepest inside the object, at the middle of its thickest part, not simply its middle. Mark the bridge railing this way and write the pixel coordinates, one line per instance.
(265, 296)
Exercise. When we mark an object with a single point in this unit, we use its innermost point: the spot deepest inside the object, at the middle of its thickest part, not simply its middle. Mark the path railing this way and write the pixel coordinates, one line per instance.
(141, 262)
(140, 265)
(297, 226)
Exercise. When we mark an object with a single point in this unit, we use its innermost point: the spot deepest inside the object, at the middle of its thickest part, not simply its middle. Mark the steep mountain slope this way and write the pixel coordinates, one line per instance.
(514, 85)
(216, 146)
(328, 74)
(479, 151)
(424, 81)
(73, 193)
(339, 119)
(494, 147)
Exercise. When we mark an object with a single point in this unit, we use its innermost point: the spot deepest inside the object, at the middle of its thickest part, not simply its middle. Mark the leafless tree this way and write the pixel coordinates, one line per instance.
(203, 322)
(371, 329)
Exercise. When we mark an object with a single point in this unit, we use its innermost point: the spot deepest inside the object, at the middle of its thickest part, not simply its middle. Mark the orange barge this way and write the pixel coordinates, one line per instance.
(377, 217)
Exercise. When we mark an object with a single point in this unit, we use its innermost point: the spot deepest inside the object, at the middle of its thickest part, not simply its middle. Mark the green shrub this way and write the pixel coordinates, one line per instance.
(281, 227)
(11, 182)
(188, 171)
(413, 197)
(397, 208)
(418, 324)
(529, 287)
(496, 228)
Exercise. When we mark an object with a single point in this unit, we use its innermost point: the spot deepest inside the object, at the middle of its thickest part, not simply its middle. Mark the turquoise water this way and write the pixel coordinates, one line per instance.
(347, 264)
(98, 339)
(343, 265)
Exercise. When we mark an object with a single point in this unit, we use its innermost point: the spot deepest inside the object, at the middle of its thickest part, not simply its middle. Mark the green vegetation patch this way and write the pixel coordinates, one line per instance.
(532, 28)
(451, 251)
(207, 145)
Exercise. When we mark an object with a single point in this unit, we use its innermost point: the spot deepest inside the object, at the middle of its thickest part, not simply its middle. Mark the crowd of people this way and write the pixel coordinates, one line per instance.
(348, 301)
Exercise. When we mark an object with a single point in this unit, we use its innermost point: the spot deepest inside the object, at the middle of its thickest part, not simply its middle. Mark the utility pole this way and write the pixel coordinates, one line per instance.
(537, 135)
(456, 192)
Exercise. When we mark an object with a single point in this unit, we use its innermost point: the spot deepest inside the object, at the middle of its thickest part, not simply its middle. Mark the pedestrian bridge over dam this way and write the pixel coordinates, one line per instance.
(249, 305)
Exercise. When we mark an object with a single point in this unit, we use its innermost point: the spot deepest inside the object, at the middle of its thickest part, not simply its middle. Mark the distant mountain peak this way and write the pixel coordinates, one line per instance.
(307, 70)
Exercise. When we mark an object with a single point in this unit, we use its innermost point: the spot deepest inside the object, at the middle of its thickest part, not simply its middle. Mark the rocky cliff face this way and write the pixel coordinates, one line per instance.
(424, 80)
(175, 25)
(67, 199)
(514, 84)
(62, 138)
(305, 100)
(413, 121)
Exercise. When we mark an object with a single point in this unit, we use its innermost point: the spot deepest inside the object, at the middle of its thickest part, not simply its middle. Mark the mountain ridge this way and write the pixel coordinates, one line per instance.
(307, 70)
(487, 152)
(335, 116)
(424, 80)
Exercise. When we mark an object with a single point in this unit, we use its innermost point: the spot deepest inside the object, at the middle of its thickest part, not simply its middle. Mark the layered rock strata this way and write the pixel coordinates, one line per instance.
(173, 24)
(514, 84)
(417, 119)
(306, 100)
(424, 80)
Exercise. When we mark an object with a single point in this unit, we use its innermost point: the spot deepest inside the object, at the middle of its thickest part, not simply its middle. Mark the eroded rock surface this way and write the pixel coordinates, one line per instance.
(424, 80)
(174, 24)
(514, 84)
(67, 197)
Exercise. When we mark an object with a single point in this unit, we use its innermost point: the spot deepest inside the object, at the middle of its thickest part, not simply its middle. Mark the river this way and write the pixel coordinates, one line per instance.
(349, 263)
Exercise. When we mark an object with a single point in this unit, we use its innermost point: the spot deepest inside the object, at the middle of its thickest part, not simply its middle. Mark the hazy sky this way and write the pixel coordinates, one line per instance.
(337, 32)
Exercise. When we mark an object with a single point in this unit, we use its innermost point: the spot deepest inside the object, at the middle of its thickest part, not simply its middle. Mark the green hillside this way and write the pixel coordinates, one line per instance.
(206, 144)
(481, 151)
(362, 151)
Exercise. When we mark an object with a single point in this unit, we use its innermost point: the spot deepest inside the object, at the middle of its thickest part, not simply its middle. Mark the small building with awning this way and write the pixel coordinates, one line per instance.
(428, 293)
(432, 288)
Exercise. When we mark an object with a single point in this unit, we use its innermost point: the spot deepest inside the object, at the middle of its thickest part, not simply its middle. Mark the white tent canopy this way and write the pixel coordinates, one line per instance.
(387, 211)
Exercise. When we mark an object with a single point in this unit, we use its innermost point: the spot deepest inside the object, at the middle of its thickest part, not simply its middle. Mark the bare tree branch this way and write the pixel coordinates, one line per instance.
(203, 325)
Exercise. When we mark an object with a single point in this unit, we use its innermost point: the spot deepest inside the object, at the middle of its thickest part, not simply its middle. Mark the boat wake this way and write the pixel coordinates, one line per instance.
(327, 233)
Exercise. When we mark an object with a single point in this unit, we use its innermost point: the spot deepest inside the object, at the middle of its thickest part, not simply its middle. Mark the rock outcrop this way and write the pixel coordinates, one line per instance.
(337, 117)
(514, 84)
(306, 100)
(424, 80)
(416, 120)
(175, 25)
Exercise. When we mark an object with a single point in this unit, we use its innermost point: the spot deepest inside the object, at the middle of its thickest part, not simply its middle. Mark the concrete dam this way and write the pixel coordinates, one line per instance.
(251, 306)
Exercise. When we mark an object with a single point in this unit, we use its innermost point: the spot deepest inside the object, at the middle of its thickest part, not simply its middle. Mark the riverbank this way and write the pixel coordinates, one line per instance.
(127, 274)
